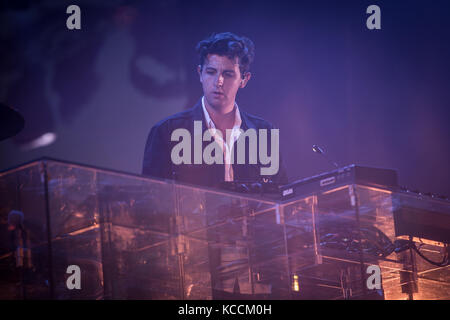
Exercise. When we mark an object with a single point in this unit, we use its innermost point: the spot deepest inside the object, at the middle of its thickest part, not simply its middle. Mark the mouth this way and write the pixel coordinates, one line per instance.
(218, 93)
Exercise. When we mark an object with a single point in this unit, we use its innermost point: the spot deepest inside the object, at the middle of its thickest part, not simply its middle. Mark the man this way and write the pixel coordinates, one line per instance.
(219, 128)
(224, 69)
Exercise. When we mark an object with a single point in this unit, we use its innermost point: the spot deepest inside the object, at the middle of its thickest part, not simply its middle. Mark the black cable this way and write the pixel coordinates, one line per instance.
(402, 245)
(443, 263)
(373, 241)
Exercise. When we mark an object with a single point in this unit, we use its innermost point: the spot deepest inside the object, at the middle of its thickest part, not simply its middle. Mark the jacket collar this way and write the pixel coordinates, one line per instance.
(197, 114)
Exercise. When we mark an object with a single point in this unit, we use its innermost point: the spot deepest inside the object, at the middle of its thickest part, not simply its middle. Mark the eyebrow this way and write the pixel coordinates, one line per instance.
(226, 70)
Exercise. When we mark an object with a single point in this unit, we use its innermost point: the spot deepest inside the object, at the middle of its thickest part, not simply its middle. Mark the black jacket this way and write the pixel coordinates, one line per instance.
(157, 161)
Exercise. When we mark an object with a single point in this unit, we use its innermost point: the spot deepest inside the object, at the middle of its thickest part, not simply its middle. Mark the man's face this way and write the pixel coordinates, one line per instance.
(221, 80)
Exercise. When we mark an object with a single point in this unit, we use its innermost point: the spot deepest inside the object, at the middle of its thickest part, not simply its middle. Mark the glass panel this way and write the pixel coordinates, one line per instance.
(82, 248)
(355, 231)
(72, 198)
(139, 218)
(143, 265)
(228, 235)
(426, 221)
(196, 268)
(268, 255)
(24, 261)
(301, 243)
(139, 238)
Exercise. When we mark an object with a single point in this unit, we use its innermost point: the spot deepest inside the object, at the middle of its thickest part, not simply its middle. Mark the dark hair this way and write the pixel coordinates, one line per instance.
(230, 45)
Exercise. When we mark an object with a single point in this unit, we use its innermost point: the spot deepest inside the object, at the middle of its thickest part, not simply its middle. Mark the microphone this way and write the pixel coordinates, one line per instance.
(319, 150)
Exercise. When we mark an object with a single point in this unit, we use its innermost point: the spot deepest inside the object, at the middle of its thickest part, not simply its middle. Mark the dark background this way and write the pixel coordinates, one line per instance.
(370, 97)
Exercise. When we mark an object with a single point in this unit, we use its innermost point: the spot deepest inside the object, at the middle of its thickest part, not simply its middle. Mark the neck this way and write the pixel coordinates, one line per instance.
(223, 118)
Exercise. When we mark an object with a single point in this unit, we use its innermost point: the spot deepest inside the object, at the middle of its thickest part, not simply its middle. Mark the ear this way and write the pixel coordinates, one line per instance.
(199, 70)
(244, 81)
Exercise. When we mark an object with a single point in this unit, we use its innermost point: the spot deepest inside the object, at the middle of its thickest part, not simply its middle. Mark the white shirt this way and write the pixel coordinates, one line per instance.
(226, 147)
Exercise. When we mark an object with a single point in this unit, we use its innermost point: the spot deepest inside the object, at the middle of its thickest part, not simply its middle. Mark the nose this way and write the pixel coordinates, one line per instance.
(219, 80)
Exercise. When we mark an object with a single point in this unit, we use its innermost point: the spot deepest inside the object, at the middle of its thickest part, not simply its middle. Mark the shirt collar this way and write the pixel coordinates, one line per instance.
(210, 123)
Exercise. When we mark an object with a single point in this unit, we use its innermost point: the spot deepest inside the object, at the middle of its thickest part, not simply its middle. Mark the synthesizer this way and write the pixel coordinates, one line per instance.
(352, 174)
